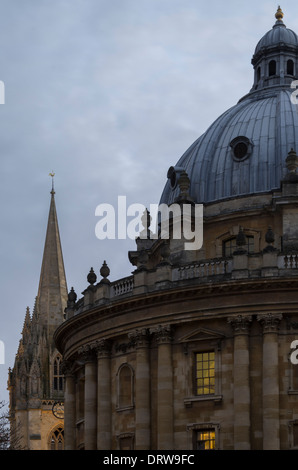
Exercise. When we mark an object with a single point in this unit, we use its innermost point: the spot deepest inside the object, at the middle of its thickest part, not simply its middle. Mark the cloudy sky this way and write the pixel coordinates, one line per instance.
(108, 94)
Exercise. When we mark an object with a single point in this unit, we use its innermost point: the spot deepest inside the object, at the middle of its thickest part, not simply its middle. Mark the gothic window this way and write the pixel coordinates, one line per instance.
(125, 379)
(290, 67)
(229, 246)
(205, 373)
(204, 439)
(272, 68)
(57, 439)
(57, 376)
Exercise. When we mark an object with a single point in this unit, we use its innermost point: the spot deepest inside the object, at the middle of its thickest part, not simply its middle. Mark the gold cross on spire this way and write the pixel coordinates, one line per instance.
(52, 176)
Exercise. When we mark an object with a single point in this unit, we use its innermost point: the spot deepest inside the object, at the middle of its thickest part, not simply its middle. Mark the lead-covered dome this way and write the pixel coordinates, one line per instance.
(244, 151)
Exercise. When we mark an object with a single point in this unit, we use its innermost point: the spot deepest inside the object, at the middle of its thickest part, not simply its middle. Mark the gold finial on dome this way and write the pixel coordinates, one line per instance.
(279, 14)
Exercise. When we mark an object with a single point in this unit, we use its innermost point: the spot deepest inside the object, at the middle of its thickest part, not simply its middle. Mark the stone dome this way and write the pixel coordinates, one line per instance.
(244, 151)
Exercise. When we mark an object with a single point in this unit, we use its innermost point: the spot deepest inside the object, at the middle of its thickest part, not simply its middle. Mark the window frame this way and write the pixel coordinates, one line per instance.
(204, 379)
(130, 403)
(249, 238)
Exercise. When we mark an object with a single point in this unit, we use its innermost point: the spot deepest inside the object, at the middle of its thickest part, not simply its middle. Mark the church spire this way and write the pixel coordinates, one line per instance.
(52, 292)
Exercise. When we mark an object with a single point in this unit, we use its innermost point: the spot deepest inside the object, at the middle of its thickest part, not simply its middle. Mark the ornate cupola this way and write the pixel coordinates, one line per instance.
(275, 59)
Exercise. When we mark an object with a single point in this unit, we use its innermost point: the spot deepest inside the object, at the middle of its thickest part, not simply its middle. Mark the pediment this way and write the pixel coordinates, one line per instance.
(201, 334)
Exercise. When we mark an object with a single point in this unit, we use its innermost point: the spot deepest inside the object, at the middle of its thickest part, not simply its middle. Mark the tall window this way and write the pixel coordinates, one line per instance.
(290, 67)
(205, 440)
(205, 373)
(125, 386)
(229, 246)
(57, 376)
(272, 68)
(57, 439)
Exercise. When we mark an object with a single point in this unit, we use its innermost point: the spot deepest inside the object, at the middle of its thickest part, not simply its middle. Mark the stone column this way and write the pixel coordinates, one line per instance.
(165, 402)
(90, 399)
(142, 390)
(69, 407)
(242, 424)
(104, 412)
(271, 424)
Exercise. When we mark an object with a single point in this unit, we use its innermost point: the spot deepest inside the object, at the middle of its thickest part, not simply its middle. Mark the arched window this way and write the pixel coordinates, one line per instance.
(272, 68)
(56, 441)
(57, 375)
(258, 74)
(290, 67)
(125, 378)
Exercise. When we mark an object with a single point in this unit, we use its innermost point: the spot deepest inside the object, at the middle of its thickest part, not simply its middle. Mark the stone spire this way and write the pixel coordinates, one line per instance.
(51, 299)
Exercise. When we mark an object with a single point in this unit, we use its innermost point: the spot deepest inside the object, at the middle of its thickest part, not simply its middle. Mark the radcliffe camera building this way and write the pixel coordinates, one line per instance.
(193, 349)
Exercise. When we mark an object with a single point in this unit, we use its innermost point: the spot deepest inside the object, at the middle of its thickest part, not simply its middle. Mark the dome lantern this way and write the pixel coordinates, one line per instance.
(275, 58)
(243, 151)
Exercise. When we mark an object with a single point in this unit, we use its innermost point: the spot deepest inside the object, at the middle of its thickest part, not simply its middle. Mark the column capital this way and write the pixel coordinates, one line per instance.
(163, 334)
(140, 337)
(240, 324)
(270, 322)
(102, 348)
(68, 368)
(87, 353)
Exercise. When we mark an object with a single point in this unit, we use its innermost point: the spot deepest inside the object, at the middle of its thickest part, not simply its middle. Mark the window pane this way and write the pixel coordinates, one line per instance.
(229, 246)
(205, 440)
(205, 373)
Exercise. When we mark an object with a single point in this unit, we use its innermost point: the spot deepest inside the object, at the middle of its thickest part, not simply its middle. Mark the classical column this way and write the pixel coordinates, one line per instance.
(242, 425)
(90, 399)
(271, 424)
(142, 390)
(69, 407)
(104, 417)
(165, 414)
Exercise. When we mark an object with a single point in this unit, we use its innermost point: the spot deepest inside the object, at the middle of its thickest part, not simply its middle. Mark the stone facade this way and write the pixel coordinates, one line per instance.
(131, 345)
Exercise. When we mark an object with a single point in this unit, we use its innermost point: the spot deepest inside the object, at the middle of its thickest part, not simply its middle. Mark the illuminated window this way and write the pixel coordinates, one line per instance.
(58, 376)
(57, 439)
(205, 373)
(229, 246)
(205, 440)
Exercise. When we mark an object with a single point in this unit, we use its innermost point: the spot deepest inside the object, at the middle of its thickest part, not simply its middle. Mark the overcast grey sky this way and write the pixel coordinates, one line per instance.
(108, 94)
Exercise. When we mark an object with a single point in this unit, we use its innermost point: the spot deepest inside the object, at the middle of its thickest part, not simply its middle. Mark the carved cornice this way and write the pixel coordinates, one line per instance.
(69, 329)
(270, 322)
